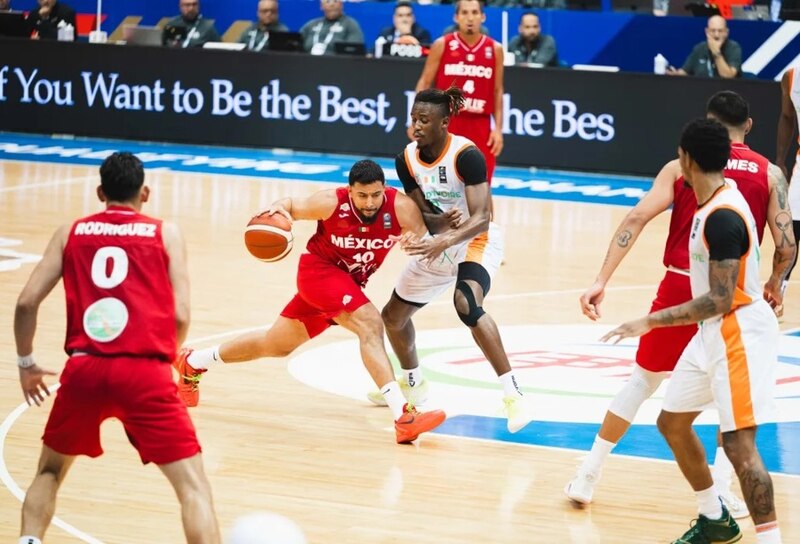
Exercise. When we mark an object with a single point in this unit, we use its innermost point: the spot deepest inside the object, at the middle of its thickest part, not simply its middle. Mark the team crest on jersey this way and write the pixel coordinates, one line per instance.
(387, 221)
(363, 229)
(442, 174)
(470, 57)
(488, 51)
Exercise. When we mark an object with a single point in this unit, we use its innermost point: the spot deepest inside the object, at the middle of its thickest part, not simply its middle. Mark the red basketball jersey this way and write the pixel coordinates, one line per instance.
(352, 244)
(471, 69)
(750, 172)
(116, 280)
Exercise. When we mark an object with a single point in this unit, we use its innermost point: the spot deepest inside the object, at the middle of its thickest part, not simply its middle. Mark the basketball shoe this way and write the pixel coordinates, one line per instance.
(712, 531)
(413, 423)
(415, 395)
(581, 488)
(188, 378)
(517, 412)
(736, 506)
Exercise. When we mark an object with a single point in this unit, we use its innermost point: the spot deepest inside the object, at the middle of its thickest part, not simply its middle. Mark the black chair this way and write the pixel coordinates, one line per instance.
(585, 5)
(638, 6)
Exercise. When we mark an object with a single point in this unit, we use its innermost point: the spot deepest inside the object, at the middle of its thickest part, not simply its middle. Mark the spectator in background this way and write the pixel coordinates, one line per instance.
(716, 57)
(405, 26)
(5, 5)
(321, 33)
(46, 19)
(531, 46)
(189, 29)
(257, 36)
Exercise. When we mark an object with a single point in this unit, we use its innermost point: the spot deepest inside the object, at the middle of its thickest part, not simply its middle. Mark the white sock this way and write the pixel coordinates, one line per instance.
(768, 533)
(597, 455)
(708, 503)
(33, 540)
(413, 376)
(510, 387)
(203, 358)
(394, 398)
(722, 471)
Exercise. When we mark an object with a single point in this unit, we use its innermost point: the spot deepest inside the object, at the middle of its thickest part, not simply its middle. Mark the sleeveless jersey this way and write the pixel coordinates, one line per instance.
(471, 69)
(750, 172)
(120, 300)
(439, 181)
(748, 286)
(346, 240)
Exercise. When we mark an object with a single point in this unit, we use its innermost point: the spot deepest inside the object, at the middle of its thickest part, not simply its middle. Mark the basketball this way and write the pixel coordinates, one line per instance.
(269, 237)
(265, 528)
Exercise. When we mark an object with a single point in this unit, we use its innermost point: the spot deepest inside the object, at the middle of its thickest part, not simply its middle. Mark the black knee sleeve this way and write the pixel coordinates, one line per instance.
(474, 272)
(470, 319)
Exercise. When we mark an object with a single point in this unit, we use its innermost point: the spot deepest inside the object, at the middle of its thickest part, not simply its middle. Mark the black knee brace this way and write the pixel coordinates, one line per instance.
(474, 272)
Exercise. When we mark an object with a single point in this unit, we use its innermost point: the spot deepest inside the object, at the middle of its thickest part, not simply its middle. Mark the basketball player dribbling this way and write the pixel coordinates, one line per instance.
(357, 225)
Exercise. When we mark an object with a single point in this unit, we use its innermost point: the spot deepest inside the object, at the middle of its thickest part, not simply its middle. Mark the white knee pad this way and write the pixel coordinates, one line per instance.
(641, 385)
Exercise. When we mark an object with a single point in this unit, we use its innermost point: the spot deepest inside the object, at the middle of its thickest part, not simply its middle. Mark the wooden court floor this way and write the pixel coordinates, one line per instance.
(330, 463)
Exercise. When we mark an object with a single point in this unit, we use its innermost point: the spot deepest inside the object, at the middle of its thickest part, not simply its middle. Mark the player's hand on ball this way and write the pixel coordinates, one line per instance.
(630, 329)
(272, 210)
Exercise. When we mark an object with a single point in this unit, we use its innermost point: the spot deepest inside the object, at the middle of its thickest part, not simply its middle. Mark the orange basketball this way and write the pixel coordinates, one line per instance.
(269, 237)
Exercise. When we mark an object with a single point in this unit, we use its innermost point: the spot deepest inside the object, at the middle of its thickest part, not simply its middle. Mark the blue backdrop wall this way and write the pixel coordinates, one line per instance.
(621, 39)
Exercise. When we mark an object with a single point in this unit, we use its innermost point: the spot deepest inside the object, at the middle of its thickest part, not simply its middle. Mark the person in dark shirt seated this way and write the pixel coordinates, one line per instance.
(531, 46)
(51, 15)
(256, 37)
(189, 29)
(405, 28)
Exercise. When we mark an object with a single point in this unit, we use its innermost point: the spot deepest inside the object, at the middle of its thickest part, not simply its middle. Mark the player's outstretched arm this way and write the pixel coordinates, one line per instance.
(787, 124)
(428, 75)
(779, 221)
(44, 277)
(657, 199)
(318, 206)
(175, 246)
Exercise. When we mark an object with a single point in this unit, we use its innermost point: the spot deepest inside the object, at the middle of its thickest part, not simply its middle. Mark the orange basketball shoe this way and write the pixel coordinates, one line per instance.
(188, 378)
(413, 423)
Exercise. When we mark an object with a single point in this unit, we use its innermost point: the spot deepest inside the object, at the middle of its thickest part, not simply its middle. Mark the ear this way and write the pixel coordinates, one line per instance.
(483, 19)
(100, 194)
(144, 195)
(748, 126)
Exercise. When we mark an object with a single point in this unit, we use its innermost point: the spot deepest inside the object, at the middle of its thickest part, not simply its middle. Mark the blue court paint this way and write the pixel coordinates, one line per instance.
(316, 167)
(777, 443)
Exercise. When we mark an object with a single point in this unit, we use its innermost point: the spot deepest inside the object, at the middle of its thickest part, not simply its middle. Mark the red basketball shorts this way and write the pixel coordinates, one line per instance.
(323, 292)
(660, 348)
(477, 128)
(140, 392)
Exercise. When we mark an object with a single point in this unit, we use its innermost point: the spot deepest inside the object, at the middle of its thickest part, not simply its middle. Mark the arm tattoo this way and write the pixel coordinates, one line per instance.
(624, 238)
(781, 187)
(718, 300)
(783, 220)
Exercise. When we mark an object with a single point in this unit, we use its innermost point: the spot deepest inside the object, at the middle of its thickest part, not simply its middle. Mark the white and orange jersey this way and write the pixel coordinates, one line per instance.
(748, 286)
(440, 182)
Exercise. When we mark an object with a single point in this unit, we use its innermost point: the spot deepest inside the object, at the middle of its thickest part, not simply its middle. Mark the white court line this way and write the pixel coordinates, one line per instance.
(55, 183)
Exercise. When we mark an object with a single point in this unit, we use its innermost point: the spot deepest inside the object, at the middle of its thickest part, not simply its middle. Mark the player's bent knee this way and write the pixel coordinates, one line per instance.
(466, 306)
(639, 387)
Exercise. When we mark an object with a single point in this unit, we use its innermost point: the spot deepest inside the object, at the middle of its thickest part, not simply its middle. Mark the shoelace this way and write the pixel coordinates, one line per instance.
(192, 381)
(695, 530)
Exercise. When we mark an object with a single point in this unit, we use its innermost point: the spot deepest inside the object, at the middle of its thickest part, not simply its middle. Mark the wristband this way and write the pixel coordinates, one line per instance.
(26, 361)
